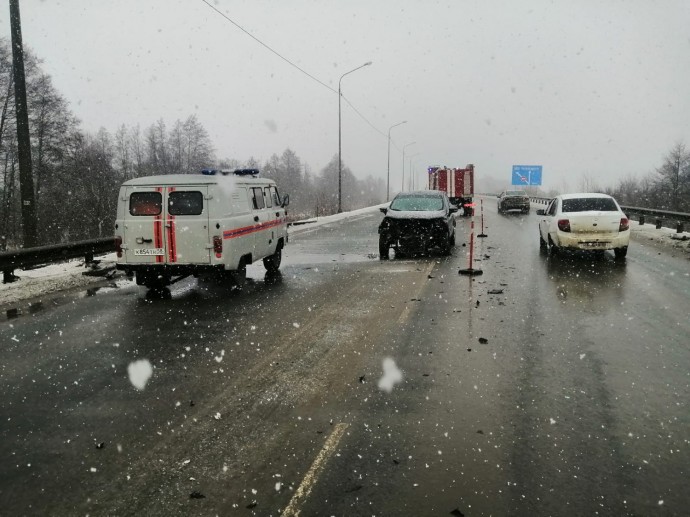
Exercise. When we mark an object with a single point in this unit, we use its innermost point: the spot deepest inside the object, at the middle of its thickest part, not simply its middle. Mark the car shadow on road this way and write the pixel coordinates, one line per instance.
(588, 277)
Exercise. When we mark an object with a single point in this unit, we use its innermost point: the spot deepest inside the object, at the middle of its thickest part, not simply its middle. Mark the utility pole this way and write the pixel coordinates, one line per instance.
(26, 182)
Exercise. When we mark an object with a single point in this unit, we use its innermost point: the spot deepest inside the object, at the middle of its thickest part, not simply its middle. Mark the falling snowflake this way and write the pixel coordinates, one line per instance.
(391, 375)
(139, 373)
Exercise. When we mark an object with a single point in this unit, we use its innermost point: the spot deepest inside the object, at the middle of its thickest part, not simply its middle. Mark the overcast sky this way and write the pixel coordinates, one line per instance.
(595, 87)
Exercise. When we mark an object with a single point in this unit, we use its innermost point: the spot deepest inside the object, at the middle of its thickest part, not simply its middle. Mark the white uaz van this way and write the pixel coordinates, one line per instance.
(169, 227)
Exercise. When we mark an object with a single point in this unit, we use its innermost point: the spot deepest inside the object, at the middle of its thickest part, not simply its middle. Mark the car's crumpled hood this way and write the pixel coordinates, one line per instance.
(416, 214)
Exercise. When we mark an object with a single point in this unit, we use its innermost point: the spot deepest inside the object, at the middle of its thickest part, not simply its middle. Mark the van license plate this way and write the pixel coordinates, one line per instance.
(149, 251)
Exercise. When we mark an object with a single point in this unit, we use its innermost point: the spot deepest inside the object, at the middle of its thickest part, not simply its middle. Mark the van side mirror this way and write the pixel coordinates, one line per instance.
(384, 210)
(286, 201)
(541, 211)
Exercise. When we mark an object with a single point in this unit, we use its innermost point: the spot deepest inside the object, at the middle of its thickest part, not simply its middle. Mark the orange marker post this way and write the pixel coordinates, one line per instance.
(470, 270)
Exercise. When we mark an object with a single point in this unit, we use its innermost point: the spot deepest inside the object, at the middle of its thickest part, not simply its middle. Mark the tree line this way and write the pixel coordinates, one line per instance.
(667, 187)
(77, 175)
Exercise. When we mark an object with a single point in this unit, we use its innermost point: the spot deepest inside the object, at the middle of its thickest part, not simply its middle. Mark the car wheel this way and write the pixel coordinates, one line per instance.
(542, 242)
(158, 283)
(620, 253)
(452, 239)
(152, 280)
(384, 246)
(272, 263)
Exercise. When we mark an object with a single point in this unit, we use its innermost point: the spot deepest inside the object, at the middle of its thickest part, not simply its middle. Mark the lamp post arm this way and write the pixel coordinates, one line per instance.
(388, 173)
(340, 139)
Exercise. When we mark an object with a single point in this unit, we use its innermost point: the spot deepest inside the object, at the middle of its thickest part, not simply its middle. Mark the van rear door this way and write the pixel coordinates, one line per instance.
(186, 225)
(143, 226)
(167, 225)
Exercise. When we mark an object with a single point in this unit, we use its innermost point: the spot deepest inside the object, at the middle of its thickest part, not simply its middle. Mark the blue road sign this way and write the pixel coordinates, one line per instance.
(526, 175)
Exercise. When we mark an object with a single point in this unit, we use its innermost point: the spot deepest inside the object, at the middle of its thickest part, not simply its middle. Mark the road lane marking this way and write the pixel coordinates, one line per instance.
(406, 311)
(305, 487)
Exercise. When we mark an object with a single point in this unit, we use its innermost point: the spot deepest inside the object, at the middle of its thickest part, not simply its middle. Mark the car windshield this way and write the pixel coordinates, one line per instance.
(515, 193)
(589, 204)
(417, 203)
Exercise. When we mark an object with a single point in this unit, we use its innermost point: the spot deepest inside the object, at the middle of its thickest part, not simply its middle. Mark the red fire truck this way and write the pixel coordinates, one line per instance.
(457, 183)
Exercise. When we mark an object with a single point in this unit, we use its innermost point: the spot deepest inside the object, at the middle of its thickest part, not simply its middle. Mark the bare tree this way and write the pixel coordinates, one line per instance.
(674, 180)
(177, 149)
(199, 151)
(123, 152)
(588, 183)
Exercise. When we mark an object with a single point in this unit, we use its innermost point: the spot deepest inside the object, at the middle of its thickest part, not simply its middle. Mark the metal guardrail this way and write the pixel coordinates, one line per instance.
(660, 217)
(23, 258)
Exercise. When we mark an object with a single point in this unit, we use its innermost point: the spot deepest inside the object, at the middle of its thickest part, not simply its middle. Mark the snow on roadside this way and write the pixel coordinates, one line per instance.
(50, 279)
(314, 222)
(662, 237)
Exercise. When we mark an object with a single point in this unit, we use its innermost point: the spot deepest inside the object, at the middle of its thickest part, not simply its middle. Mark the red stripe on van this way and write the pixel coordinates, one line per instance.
(240, 232)
(172, 245)
(157, 229)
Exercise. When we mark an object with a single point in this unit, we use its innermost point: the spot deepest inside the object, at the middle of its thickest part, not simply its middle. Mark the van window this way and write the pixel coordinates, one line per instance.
(267, 197)
(145, 203)
(275, 196)
(257, 198)
(239, 201)
(185, 203)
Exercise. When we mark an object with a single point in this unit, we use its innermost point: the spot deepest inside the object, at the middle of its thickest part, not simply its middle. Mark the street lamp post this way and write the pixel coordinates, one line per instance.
(411, 175)
(402, 187)
(388, 175)
(340, 162)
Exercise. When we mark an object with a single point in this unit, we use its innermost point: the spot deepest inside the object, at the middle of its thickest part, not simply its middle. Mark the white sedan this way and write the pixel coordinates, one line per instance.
(584, 222)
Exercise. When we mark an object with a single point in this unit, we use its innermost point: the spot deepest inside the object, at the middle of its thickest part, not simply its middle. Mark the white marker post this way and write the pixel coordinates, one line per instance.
(481, 201)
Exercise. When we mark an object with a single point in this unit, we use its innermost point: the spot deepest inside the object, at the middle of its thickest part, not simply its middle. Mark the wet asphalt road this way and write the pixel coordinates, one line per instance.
(564, 394)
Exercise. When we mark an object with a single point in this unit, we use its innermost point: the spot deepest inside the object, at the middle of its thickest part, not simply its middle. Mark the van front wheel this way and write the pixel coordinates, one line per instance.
(272, 263)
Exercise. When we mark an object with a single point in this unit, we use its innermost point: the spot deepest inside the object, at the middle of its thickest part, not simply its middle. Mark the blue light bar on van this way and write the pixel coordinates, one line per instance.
(246, 172)
(225, 172)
